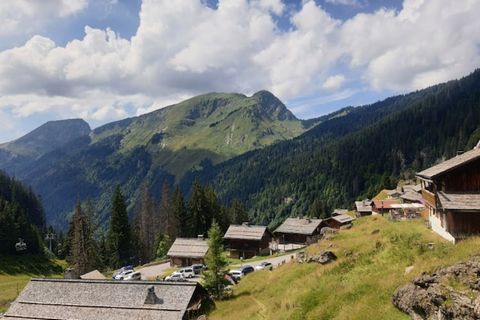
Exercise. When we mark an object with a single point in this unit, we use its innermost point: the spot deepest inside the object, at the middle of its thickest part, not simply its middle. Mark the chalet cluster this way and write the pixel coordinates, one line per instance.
(246, 240)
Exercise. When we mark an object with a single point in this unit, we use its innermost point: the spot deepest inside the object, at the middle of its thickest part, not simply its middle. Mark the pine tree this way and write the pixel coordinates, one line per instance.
(168, 219)
(146, 225)
(214, 276)
(179, 211)
(197, 209)
(119, 231)
(84, 253)
(238, 213)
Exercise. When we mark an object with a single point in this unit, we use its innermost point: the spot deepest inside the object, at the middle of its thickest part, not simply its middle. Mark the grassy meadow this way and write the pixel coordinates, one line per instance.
(372, 261)
(15, 272)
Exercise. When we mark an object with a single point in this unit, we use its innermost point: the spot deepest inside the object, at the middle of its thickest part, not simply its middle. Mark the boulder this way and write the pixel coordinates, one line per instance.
(449, 293)
(323, 258)
(327, 231)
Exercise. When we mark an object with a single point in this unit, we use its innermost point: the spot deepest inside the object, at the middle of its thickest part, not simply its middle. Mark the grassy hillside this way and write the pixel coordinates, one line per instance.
(359, 285)
(15, 272)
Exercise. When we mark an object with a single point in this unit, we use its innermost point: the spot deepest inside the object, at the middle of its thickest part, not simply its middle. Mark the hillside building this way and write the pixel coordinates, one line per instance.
(451, 191)
(299, 231)
(187, 251)
(246, 241)
(363, 208)
(60, 299)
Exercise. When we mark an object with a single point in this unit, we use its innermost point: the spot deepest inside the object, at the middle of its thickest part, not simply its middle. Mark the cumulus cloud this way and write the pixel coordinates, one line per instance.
(183, 48)
(354, 3)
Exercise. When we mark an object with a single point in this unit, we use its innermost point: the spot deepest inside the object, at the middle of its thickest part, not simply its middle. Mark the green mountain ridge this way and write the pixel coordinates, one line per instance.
(158, 147)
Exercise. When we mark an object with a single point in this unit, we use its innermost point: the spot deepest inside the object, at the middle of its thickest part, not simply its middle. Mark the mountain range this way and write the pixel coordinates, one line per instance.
(64, 160)
(249, 148)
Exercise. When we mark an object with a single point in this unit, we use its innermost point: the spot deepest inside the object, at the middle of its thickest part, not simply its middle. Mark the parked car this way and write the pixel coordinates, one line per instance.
(187, 272)
(246, 269)
(264, 266)
(119, 274)
(198, 268)
(176, 276)
(122, 275)
(236, 274)
(133, 276)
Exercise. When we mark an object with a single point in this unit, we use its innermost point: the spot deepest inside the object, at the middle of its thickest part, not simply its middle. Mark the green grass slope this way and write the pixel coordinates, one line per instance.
(359, 285)
(15, 272)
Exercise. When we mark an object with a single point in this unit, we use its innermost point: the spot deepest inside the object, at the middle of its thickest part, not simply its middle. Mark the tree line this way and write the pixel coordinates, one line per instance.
(151, 230)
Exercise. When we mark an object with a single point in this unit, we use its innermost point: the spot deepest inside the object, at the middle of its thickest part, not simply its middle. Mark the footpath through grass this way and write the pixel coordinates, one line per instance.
(372, 261)
(16, 271)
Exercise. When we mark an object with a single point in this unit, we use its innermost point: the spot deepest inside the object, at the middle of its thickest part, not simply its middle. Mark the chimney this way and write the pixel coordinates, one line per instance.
(152, 297)
(200, 237)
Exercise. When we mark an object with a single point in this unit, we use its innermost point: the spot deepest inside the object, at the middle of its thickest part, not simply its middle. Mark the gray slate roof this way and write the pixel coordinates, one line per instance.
(459, 201)
(299, 226)
(411, 196)
(245, 232)
(342, 218)
(188, 248)
(96, 299)
(450, 164)
(363, 206)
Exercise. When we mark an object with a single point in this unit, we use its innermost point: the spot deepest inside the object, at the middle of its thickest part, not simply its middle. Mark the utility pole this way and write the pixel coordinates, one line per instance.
(49, 237)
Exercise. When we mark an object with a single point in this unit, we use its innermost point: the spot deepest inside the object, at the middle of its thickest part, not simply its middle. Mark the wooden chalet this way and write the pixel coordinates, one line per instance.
(299, 231)
(246, 241)
(60, 299)
(339, 219)
(363, 208)
(384, 206)
(451, 191)
(187, 251)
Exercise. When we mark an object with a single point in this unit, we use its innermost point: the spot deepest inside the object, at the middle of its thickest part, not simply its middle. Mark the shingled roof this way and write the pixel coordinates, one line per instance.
(459, 201)
(299, 226)
(245, 232)
(59, 299)
(188, 248)
(342, 218)
(450, 164)
(364, 206)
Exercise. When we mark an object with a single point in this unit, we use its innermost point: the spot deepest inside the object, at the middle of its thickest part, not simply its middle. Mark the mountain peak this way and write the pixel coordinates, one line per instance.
(273, 106)
(49, 136)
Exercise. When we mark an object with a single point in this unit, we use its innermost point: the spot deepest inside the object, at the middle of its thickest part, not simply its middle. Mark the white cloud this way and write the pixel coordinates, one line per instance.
(334, 82)
(182, 48)
(25, 16)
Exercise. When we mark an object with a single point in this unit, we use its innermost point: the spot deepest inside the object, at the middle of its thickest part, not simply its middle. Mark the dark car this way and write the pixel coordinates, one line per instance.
(247, 269)
(198, 268)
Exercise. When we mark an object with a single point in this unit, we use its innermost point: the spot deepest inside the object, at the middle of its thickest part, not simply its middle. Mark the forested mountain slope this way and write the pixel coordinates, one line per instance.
(21, 216)
(156, 147)
(352, 156)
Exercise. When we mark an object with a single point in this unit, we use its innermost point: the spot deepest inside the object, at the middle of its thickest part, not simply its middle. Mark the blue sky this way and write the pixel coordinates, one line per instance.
(104, 60)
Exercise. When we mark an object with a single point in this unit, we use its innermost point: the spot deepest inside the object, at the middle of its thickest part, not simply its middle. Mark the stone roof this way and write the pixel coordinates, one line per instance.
(450, 164)
(459, 201)
(188, 248)
(339, 212)
(299, 226)
(385, 204)
(412, 196)
(93, 275)
(245, 232)
(342, 218)
(59, 299)
(364, 206)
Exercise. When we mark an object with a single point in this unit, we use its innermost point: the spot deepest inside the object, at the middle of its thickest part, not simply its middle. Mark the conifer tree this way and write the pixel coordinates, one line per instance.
(119, 231)
(145, 225)
(168, 220)
(238, 213)
(84, 254)
(214, 276)
(179, 211)
(197, 209)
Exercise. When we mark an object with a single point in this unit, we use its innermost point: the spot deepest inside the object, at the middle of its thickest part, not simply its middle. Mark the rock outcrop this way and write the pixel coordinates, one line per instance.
(449, 293)
(323, 257)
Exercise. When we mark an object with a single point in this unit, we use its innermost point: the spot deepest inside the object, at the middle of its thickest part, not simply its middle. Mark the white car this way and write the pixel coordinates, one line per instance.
(133, 276)
(122, 275)
(187, 272)
(176, 276)
(264, 266)
(236, 274)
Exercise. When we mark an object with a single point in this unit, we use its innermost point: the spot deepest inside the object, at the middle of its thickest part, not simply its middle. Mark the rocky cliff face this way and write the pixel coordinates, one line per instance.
(449, 293)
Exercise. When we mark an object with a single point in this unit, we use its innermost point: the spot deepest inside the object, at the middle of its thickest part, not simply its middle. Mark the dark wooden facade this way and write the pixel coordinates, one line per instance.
(185, 261)
(457, 221)
(242, 248)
